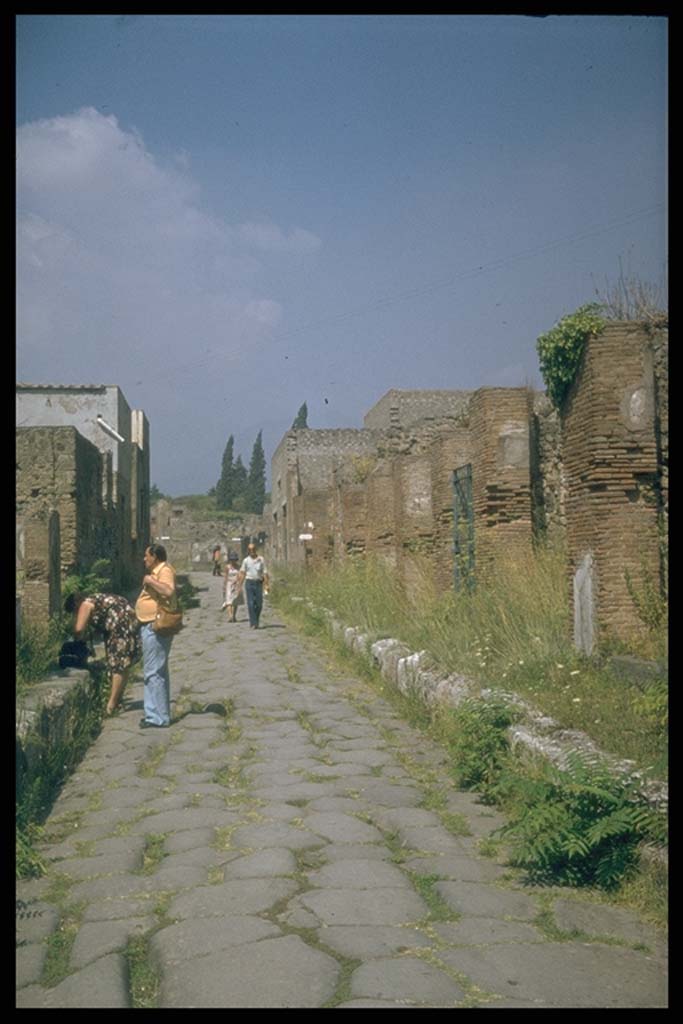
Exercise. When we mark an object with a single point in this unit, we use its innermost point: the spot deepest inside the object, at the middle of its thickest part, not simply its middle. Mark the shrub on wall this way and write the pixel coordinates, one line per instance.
(560, 349)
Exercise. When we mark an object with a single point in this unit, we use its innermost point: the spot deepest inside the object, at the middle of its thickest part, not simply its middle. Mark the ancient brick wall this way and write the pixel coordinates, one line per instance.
(548, 482)
(659, 340)
(610, 455)
(382, 527)
(449, 450)
(413, 505)
(501, 483)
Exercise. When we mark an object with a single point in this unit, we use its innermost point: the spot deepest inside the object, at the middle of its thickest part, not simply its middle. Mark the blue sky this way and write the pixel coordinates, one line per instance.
(229, 215)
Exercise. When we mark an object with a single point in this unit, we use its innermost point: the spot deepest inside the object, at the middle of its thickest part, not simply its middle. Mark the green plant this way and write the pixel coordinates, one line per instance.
(560, 349)
(479, 743)
(653, 706)
(650, 603)
(37, 651)
(98, 578)
(578, 825)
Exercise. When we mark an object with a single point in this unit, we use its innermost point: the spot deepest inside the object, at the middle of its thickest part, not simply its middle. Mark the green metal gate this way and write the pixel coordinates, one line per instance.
(463, 529)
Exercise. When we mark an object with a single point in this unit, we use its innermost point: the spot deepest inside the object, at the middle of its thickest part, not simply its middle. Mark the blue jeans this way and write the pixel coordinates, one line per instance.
(254, 594)
(155, 652)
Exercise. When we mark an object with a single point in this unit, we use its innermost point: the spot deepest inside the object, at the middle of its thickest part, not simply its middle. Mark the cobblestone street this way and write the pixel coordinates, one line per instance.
(306, 850)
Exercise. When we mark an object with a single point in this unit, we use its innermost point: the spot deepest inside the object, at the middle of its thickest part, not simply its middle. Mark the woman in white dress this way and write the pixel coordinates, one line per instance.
(233, 590)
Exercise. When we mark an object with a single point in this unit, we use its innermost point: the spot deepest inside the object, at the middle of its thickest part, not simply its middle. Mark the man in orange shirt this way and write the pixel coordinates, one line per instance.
(158, 583)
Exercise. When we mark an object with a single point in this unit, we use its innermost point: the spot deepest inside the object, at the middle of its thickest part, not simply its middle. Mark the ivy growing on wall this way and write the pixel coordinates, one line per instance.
(560, 349)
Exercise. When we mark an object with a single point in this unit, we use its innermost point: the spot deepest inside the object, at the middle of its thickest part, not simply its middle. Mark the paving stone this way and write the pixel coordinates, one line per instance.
(114, 909)
(243, 896)
(299, 917)
(189, 840)
(342, 828)
(365, 942)
(177, 876)
(133, 845)
(100, 985)
(96, 939)
(406, 978)
(35, 921)
(274, 973)
(273, 834)
(385, 794)
(430, 840)
(199, 857)
(406, 817)
(193, 938)
(350, 906)
(356, 851)
(334, 805)
(566, 974)
(479, 931)
(359, 874)
(593, 919)
(358, 1003)
(464, 869)
(89, 867)
(369, 756)
(184, 819)
(117, 799)
(113, 887)
(30, 960)
(263, 864)
(487, 900)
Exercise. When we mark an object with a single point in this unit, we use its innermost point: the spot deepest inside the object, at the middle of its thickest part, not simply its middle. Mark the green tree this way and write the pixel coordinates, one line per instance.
(240, 485)
(155, 494)
(256, 482)
(301, 419)
(226, 486)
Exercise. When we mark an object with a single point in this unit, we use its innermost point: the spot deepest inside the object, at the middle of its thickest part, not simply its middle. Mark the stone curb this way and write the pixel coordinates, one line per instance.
(412, 673)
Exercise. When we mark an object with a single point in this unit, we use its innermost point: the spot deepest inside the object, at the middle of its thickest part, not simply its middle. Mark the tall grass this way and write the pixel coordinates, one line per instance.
(511, 632)
(37, 652)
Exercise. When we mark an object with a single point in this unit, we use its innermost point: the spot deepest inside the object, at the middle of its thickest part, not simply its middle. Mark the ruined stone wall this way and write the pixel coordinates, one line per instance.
(41, 568)
(58, 469)
(302, 469)
(610, 454)
(501, 483)
(413, 505)
(448, 451)
(398, 410)
(548, 482)
(190, 536)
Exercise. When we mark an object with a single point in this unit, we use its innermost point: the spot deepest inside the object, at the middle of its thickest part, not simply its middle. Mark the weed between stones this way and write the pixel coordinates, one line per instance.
(143, 978)
(60, 944)
(153, 852)
(439, 909)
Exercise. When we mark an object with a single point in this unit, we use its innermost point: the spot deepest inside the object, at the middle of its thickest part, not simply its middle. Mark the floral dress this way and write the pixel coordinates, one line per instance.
(232, 596)
(113, 616)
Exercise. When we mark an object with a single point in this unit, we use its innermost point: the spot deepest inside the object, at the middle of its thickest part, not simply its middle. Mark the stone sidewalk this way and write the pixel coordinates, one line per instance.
(307, 850)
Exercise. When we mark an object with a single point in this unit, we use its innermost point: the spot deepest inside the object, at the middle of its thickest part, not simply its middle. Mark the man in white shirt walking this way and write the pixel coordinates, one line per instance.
(254, 577)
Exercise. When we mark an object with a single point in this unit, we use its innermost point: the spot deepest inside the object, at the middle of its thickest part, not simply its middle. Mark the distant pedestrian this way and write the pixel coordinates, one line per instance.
(115, 618)
(158, 587)
(233, 591)
(254, 577)
(216, 558)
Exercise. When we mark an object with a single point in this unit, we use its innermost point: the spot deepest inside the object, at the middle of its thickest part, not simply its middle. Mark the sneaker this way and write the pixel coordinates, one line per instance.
(144, 724)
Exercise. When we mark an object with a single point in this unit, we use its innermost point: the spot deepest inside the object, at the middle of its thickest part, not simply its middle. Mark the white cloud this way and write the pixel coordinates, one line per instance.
(118, 264)
(270, 238)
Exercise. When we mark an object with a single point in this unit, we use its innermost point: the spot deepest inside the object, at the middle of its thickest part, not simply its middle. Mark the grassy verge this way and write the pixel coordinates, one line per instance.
(577, 828)
(511, 634)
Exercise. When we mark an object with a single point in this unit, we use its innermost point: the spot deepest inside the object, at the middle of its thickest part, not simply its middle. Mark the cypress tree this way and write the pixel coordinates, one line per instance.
(225, 488)
(301, 418)
(240, 484)
(256, 483)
